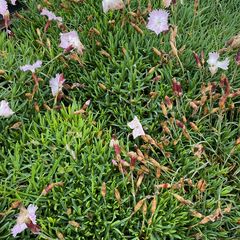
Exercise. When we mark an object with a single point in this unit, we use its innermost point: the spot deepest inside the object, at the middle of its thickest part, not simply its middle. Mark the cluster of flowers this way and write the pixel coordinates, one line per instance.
(69, 41)
(157, 22)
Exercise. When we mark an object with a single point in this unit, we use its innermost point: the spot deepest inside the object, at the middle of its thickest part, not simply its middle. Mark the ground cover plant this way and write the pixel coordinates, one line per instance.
(120, 120)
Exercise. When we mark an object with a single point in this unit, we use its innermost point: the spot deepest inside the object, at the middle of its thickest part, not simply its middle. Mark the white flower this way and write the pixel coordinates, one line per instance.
(71, 40)
(5, 110)
(26, 216)
(51, 16)
(56, 84)
(112, 5)
(13, 2)
(158, 21)
(32, 67)
(3, 8)
(215, 64)
(137, 128)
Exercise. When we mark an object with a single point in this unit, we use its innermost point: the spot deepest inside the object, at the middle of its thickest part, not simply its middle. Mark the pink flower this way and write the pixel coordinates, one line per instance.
(5, 110)
(215, 64)
(26, 219)
(112, 5)
(56, 84)
(4, 8)
(32, 67)
(158, 21)
(51, 16)
(13, 2)
(137, 128)
(70, 41)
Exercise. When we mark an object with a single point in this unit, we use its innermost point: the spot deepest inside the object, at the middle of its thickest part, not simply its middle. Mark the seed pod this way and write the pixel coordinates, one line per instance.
(196, 3)
(197, 59)
(182, 200)
(60, 236)
(184, 119)
(139, 205)
(186, 134)
(137, 28)
(193, 126)
(117, 195)
(69, 211)
(203, 100)
(145, 169)
(164, 109)
(151, 70)
(105, 53)
(237, 59)
(201, 185)
(144, 208)
(154, 205)
(196, 214)
(47, 189)
(180, 124)
(158, 173)
(36, 107)
(74, 224)
(104, 190)
(194, 107)
(228, 208)
(157, 52)
(168, 102)
(139, 181)
(124, 51)
(133, 159)
(163, 185)
(16, 204)
(46, 107)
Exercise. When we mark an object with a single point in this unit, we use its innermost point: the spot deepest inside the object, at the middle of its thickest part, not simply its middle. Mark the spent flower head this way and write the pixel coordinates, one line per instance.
(26, 219)
(158, 21)
(214, 64)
